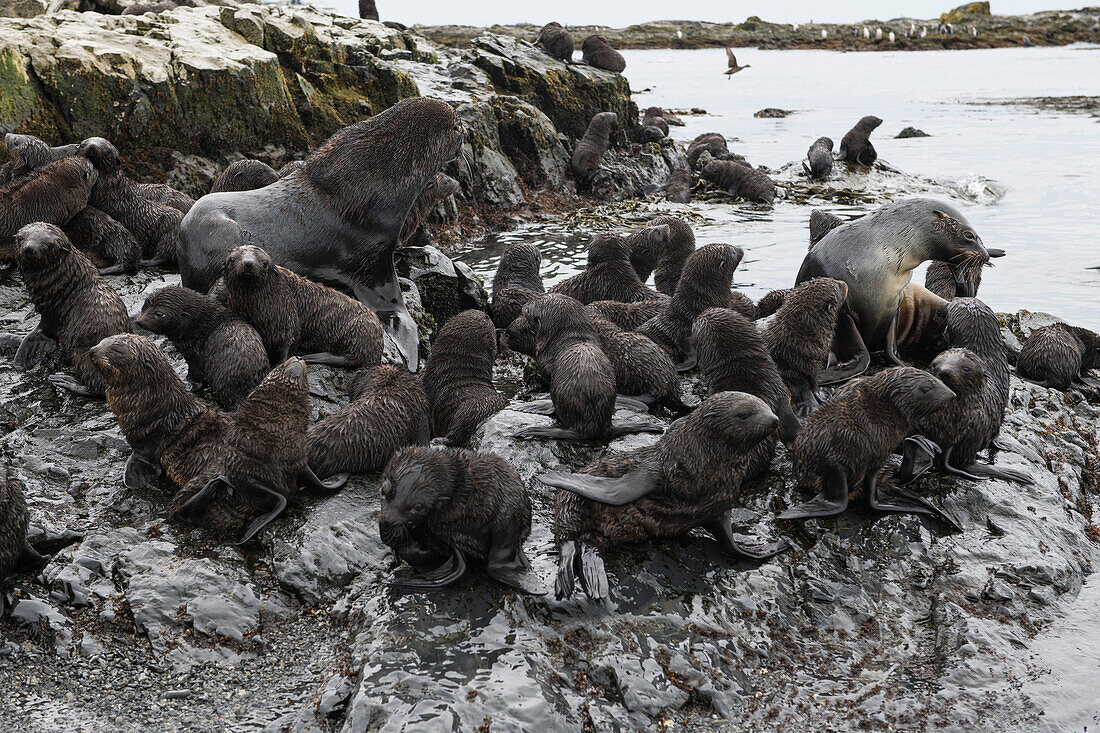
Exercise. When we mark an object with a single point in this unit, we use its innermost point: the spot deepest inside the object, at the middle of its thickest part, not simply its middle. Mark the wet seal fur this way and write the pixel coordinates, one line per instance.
(459, 377)
(16, 554)
(29, 153)
(856, 145)
(223, 352)
(108, 244)
(388, 410)
(53, 194)
(244, 175)
(590, 148)
(740, 180)
(709, 142)
(362, 214)
(922, 316)
(443, 507)
(1056, 355)
(949, 280)
(691, 478)
(820, 158)
(627, 316)
(676, 188)
(608, 276)
(655, 117)
(556, 42)
(642, 368)
(516, 282)
(293, 314)
(438, 189)
(77, 306)
(598, 52)
(663, 257)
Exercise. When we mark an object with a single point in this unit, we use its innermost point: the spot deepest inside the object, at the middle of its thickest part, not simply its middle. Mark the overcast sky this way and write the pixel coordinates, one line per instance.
(619, 13)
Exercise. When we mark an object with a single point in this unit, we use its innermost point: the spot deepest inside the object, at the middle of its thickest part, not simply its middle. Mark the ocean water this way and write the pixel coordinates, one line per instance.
(1025, 173)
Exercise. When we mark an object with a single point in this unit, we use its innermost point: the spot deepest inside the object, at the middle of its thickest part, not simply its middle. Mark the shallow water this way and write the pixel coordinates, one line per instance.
(1026, 177)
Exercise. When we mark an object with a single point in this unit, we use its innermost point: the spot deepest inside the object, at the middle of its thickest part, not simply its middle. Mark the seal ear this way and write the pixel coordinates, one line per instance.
(939, 214)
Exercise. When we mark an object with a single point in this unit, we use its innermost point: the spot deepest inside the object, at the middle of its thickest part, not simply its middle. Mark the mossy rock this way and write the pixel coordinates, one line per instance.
(970, 11)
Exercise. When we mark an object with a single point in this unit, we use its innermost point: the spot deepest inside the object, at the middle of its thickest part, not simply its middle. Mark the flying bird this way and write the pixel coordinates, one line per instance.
(734, 68)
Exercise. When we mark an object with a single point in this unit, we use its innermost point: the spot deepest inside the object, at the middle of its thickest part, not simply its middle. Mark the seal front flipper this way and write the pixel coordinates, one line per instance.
(72, 384)
(141, 471)
(30, 560)
(309, 480)
(447, 573)
(689, 362)
(277, 503)
(789, 424)
(730, 545)
(112, 270)
(324, 357)
(32, 349)
(1005, 474)
(832, 500)
(850, 352)
(509, 565)
(635, 404)
(568, 564)
(918, 457)
(629, 487)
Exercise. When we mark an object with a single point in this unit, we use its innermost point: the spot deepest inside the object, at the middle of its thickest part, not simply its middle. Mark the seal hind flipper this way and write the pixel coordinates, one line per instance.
(450, 571)
(72, 384)
(688, 363)
(549, 431)
(329, 359)
(629, 487)
(141, 471)
(593, 574)
(635, 404)
(905, 501)
(536, 407)
(32, 349)
(277, 506)
(723, 532)
(850, 352)
(832, 500)
(983, 471)
(918, 456)
(30, 560)
(565, 581)
(617, 430)
(510, 566)
(309, 480)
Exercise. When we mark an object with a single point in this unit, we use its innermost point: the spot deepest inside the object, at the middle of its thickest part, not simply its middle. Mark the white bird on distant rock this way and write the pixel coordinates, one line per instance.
(679, 33)
(891, 36)
(794, 26)
(878, 34)
(824, 33)
(867, 33)
(924, 31)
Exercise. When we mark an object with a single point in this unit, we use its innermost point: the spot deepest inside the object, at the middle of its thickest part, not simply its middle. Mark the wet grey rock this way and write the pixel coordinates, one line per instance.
(911, 132)
(446, 287)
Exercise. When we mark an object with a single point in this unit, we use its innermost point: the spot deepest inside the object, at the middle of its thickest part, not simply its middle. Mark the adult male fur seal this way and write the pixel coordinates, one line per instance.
(339, 217)
(875, 255)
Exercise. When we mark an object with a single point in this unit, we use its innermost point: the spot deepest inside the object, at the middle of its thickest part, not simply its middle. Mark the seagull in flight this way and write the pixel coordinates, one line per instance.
(734, 68)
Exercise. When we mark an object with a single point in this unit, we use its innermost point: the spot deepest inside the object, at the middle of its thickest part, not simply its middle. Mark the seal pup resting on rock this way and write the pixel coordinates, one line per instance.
(516, 283)
(856, 147)
(556, 42)
(77, 306)
(609, 274)
(244, 175)
(294, 314)
(676, 188)
(441, 507)
(16, 554)
(1056, 355)
(691, 478)
(597, 52)
(223, 352)
(590, 148)
(459, 377)
(108, 244)
(713, 143)
(741, 180)
(358, 189)
(820, 159)
(843, 444)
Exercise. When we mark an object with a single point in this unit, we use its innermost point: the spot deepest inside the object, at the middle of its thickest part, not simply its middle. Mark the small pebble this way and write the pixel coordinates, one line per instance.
(177, 694)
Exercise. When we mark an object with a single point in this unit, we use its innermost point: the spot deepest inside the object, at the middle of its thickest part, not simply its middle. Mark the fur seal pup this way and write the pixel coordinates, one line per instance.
(162, 193)
(740, 179)
(77, 306)
(821, 223)
(109, 245)
(627, 316)
(448, 505)
(820, 159)
(655, 117)
(704, 283)
(16, 554)
(368, 9)
(876, 255)
(1056, 355)
(53, 194)
(608, 276)
(590, 148)
(244, 175)
(223, 352)
(556, 42)
(843, 444)
(29, 153)
(963, 280)
(597, 52)
(676, 188)
(520, 336)
(292, 313)
(709, 142)
(437, 190)
(359, 215)
(642, 368)
(290, 167)
(388, 410)
(155, 225)
(516, 282)
(459, 377)
(856, 147)
(690, 478)
(772, 302)
(662, 256)
(799, 335)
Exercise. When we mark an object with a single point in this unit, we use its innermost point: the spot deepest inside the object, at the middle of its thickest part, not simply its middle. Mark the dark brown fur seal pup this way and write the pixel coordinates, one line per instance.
(292, 313)
(609, 275)
(740, 179)
(742, 304)
(655, 117)
(451, 505)
(691, 478)
(109, 245)
(29, 153)
(876, 255)
(77, 306)
(799, 335)
(677, 187)
(772, 302)
(821, 223)
(663, 256)
(244, 175)
(222, 351)
(709, 142)
(556, 42)
(459, 377)
(290, 167)
(438, 189)
(162, 193)
(627, 316)
(962, 280)
(856, 145)
(1058, 354)
(361, 214)
(53, 194)
(520, 335)
(516, 282)
(646, 247)
(843, 444)
(16, 554)
(598, 52)
(642, 368)
(820, 157)
(368, 9)
(388, 410)
(155, 225)
(590, 148)
(705, 283)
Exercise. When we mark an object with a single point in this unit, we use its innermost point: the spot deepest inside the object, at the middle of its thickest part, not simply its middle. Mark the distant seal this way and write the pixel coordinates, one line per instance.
(1056, 355)
(740, 179)
(590, 148)
(609, 275)
(642, 368)
(443, 506)
(459, 377)
(368, 9)
(516, 282)
(388, 410)
(155, 225)
(599, 53)
(627, 316)
(29, 153)
(357, 190)
(704, 283)
(821, 223)
(53, 194)
(820, 158)
(655, 117)
(709, 142)
(962, 280)
(155, 8)
(16, 554)
(244, 175)
(652, 134)
(799, 335)
(876, 255)
(856, 145)
(663, 256)
(293, 314)
(437, 190)
(691, 478)
(843, 444)
(77, 306)
(223, 352)
(676, 188)
(109, 245)
(556, 42)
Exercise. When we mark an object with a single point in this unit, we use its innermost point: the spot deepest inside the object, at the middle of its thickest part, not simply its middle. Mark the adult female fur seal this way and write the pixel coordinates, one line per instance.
(339, 217)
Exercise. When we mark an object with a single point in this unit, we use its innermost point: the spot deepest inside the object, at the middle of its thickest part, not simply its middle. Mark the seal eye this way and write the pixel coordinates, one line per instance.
(969, 236)
(925, 389)
(418, 507)
(967, 370)
(159, 314)
(743, 415)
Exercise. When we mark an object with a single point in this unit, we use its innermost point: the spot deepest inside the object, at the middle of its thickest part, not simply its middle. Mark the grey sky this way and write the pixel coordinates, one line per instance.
(625, 12)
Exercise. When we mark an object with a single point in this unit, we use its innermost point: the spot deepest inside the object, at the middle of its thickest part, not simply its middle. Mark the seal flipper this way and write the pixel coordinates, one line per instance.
(511, 567)
(30, 560)
(617, 430)
(892, 343)
(918, 456)
(849, 350)
(72, 384)
(629, 487)
(832, 500)
(325, 357)
(447, 573)
(594, 574)
(32, 349)
(141, 471)
(723, 532)
(113, 270)
(309, 480)
(622, 402)
(904, 501)
(789, 424)
(383, 296)
(981, 470)
(535, 407)
(565, 581)
(689, 362)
